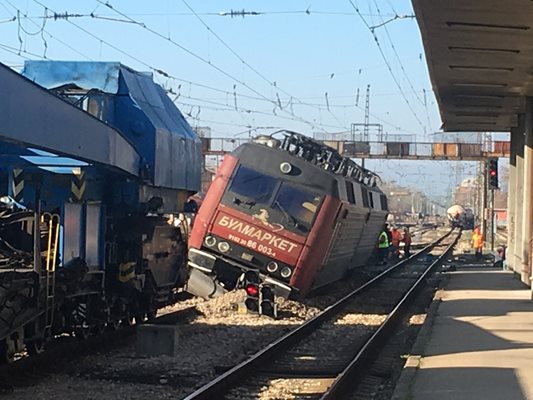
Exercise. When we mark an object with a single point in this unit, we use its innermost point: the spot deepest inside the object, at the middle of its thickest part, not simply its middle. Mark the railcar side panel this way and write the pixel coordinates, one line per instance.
(348, 232)
(313, 255)
(367, 244)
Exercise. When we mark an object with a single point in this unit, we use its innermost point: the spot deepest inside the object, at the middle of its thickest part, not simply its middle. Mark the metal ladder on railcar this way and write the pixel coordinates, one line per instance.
(53, 224)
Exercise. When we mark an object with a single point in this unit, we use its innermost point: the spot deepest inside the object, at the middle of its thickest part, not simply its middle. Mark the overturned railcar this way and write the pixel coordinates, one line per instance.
(284, 217)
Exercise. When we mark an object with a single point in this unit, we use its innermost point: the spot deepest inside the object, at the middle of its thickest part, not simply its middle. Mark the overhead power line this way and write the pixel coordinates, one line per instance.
(163, 73)
(285, 107)
(244, 62)
(376, 40)
(203, 60)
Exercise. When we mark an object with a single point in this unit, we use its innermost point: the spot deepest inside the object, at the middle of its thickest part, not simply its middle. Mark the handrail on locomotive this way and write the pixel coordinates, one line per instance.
(326, 157)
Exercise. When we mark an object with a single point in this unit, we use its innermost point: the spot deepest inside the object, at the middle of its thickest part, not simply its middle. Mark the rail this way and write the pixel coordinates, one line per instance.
(223, 383)
(354, 371)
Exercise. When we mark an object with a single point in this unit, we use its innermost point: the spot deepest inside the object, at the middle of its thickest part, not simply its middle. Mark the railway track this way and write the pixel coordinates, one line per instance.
(63, 350)
(326, 356)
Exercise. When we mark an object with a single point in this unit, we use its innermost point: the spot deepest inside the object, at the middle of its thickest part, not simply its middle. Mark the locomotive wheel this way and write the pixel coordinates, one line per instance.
(83, 332)
(129, 320)
(151, 315)
(114, 324)
(141, 318)
(7, 355)
(35, 331)
(98, 329)
(35, 347)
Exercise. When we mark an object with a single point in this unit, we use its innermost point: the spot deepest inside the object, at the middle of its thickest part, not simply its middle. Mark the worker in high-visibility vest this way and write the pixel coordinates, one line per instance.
(406, 239)
(477, 242)
(383, 246)
(395, 243)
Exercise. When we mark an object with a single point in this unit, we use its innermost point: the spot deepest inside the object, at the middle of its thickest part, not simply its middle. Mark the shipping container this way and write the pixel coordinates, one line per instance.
(396, 149)
(469, 149)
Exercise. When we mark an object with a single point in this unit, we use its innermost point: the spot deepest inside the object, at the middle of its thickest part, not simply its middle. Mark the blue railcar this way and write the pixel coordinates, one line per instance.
(96, 163)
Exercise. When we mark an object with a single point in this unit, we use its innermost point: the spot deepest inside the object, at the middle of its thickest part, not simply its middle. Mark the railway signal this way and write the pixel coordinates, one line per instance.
(252, 297)
(252, 289)
(267, 304)
(492, 171)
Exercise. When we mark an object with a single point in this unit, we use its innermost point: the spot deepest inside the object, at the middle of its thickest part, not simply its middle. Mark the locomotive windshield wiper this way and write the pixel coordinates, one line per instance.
(289, 217)
(238, 201)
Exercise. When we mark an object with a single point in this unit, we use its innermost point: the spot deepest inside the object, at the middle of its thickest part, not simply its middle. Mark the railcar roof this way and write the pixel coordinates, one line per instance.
(268, 159)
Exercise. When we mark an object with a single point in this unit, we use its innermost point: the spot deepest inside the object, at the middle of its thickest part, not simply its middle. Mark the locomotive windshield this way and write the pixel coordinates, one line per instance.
(279, 202)
(255, 186)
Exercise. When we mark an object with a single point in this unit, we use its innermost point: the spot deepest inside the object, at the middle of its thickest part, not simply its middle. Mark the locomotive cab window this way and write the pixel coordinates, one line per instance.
(384, 205)
(371, 199)
(349, 192)
(366, 196)
(297, 207)
(256, 187)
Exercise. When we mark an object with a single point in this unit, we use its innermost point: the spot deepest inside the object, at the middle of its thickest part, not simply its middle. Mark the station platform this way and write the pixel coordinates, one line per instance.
(477, 341)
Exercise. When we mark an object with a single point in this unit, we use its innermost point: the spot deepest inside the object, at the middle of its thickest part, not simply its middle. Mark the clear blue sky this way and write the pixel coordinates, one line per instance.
(286, 57)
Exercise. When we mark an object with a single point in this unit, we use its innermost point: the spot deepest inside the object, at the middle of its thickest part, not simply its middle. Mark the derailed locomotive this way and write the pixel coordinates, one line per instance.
(283, 217)
(88, 241)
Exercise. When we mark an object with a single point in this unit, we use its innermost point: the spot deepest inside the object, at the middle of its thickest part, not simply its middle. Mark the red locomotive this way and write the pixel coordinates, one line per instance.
(283, 217)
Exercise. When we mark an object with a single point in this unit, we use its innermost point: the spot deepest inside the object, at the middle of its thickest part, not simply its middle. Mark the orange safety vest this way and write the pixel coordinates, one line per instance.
(396, 238)
(477, 240)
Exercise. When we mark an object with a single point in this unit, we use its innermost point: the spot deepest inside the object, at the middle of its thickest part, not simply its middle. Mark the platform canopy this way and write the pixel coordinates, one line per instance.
(480, 59)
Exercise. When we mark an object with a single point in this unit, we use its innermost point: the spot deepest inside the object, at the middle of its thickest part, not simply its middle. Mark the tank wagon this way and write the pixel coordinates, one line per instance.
(460, 217)
(283, 217)
(95, 164)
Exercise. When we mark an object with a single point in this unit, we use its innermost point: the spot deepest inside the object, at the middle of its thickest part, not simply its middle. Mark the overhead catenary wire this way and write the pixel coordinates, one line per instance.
(286, 105)
(227, 108)
(202, 59)
(97, 38)
(410, 83)
(376, 40)
(157, 70)
(17, 11)
(396, 53)
(215, 14)
(244, 62)
(178, 79)
(17, 52)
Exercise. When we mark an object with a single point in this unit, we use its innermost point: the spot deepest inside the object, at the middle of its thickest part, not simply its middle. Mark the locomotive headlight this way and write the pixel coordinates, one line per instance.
(272, 266)
(210, 241)
(285, 272)
(224, 247)
(285, 167)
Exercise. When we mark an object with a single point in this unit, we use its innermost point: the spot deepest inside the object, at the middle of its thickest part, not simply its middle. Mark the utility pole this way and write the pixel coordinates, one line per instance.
(492, 227)
(484, 200)
(366, 126)
(367, 115)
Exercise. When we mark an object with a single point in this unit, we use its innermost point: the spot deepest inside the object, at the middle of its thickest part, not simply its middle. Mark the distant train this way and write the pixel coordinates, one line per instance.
(283, 217)
(461, 217)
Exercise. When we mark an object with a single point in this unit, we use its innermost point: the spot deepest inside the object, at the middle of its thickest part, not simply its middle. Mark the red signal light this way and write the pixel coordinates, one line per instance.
(492, 173)
(252, 290)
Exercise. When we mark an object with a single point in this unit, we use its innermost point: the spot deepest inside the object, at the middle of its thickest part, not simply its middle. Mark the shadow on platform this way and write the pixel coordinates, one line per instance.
(467, 384)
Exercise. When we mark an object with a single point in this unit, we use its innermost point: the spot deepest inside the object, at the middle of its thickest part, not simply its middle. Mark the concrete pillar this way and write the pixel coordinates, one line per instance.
(527, 214)
(518, 189)
(511, 199)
